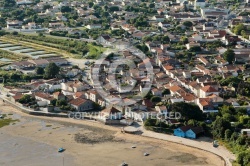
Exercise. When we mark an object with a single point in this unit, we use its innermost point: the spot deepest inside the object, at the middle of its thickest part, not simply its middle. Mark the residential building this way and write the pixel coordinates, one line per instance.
(94, 26)
(81, 104)
(208, 90)
(110, 113)
(43, 99)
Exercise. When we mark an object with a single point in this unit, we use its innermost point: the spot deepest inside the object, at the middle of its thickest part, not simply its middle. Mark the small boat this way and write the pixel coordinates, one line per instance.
(133, 147)
(60, 150)
(146, 154)
(124, 164)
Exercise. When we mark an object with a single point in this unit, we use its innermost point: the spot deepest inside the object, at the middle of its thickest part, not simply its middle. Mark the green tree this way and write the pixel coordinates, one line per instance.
(114, 8)
(188, 24)
(40, 34)
(234, 136)
(26, 99)
(246, 159)
(51, 70)
(80, 77)
(184, 40)
(187, 111)
(228, 134)
(195, 49)
(9, 3)
(240, 158)
(91, 4)
(14, 33)
(65, 9)
(229, 56)
(192, 122)
(15, 76)
(238, 28)
(241, 140)
(26, 77)
(165, 39)
(155, 99)
(166, 92)
(219, 126)
(53, 102)
(243, 158)
(61, 103)
(46, 6)
(230, 81)
(151, 5)
(149, 122)
(39, 70)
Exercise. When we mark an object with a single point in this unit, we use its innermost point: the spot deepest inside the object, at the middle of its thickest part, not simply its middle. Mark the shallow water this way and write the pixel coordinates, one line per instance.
(19, 151)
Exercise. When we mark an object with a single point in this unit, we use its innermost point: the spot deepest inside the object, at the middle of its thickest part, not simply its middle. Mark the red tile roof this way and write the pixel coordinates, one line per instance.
(209, 88)
(110, 110)
(44, 96)
(78, 101)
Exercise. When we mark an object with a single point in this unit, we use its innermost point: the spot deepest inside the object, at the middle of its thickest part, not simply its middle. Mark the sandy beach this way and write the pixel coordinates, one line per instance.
(35, 140)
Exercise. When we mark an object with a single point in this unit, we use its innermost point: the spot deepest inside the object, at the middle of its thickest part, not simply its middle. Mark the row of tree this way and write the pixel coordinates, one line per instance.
(228, 132)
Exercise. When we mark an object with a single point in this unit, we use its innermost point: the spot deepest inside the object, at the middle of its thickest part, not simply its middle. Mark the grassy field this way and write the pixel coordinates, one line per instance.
(95, 51)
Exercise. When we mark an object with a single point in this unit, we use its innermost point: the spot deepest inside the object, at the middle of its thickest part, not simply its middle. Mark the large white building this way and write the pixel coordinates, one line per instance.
(213, 12)
(198, 3)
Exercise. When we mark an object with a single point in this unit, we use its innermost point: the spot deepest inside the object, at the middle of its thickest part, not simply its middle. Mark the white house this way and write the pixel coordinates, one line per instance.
(161, 109)
(43, 99)
(53, 84)
(208, 90)
(94, 26)
(206, 105)
(14, 24)
(247, 131)
(74, 86)
(30, 25)
(158, 18)
(56, 25)
(196, 37)
(24, 2)
(214, 12)
(105, 39)
(198, 3)
(192, 44)
(164, 24)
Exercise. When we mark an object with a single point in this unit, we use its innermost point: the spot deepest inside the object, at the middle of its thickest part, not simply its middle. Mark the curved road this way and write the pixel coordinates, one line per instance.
(203, 145)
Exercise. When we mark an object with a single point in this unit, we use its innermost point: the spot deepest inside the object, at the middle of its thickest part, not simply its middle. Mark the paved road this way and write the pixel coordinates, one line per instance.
(200, 144)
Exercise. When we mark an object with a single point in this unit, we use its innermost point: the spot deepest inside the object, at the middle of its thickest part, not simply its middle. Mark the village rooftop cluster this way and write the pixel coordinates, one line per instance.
(198, 53)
